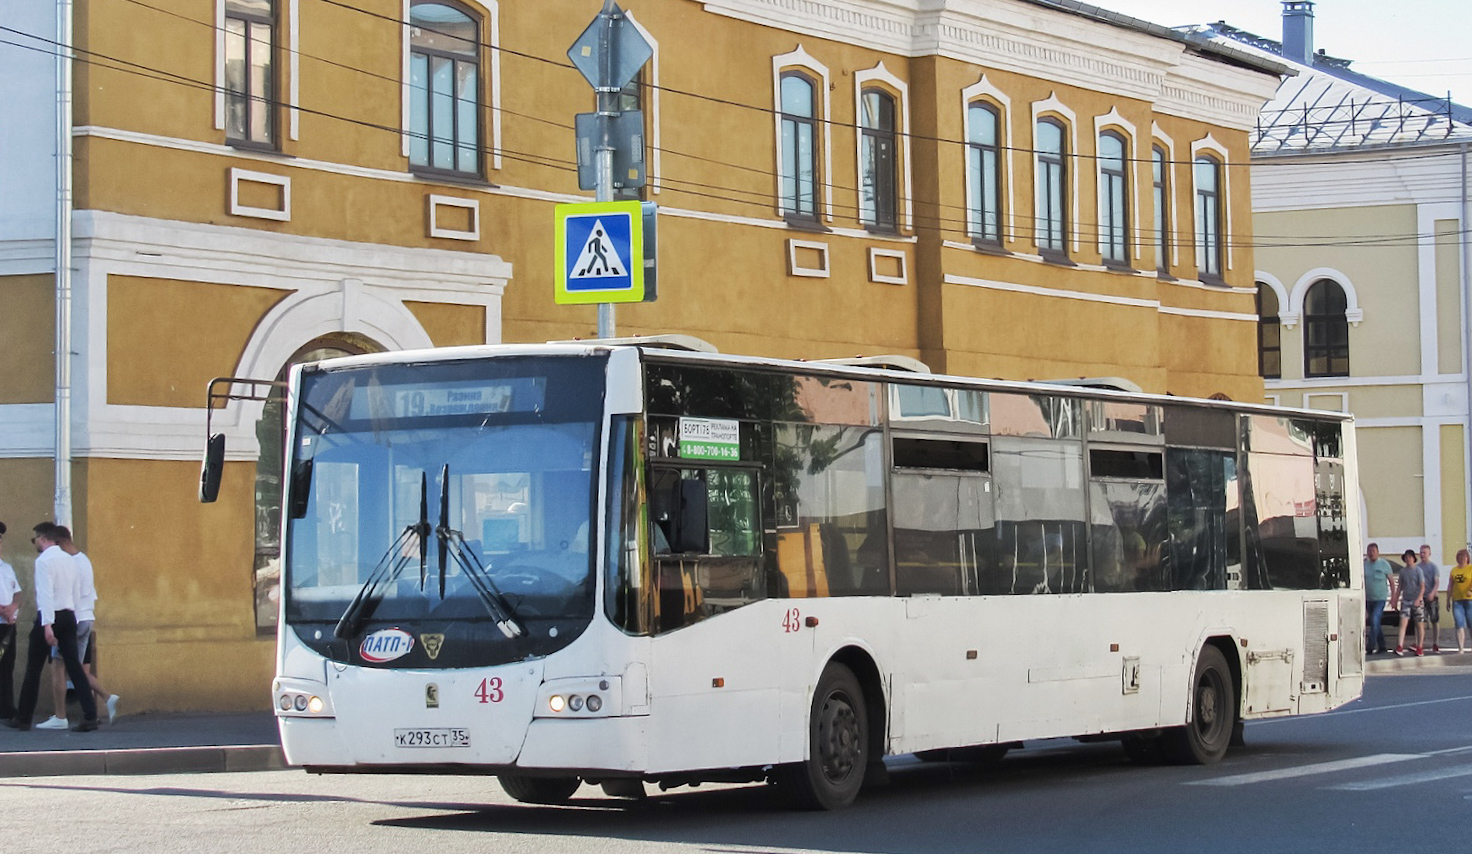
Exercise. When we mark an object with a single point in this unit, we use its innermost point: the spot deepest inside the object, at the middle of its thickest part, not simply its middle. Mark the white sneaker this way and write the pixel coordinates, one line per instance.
(53, 723)
(112, 708)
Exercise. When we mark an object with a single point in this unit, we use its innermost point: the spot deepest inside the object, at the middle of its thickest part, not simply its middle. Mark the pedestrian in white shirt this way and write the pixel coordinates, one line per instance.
(9, 611)
(58, 591)
(86, 606)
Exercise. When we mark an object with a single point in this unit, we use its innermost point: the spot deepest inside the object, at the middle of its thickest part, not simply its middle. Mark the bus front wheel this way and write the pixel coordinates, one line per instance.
(1207, 734)
(540, 790)
(838, 745)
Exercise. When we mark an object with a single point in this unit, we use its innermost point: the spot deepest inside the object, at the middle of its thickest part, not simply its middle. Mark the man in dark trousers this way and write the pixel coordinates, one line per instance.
(58, 592)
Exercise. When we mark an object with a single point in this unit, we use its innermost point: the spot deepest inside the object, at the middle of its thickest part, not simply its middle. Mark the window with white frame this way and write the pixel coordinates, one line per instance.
(877, 160)
(984, 171)
(1051, 188)
(1113, 199)
(444, 88)
(799, 176)
(1208, 217)
(250, 77)
(1325, 330)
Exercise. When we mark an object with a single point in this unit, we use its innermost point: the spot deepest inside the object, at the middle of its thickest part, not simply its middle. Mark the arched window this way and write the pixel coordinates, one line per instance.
(444, 89)
(250, 79)
(1160, 180)
(1325, 331)
(1052, 188)
(799, 177)
(1269, 334)
(271, 436)
(1208, 218)
(1114, 207)
(983, 171)
(877, 159)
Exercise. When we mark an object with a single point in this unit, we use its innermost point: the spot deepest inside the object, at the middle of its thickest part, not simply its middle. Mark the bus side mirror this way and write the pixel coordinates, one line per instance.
(692, 533)
(212, 468)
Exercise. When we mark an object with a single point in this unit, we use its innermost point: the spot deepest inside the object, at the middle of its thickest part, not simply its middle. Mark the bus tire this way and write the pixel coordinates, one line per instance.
(540, 790)
(838, 744)
(1207, 734)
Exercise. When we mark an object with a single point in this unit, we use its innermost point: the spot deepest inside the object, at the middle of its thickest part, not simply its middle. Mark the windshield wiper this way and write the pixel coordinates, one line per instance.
(495, 601)
(387, 569)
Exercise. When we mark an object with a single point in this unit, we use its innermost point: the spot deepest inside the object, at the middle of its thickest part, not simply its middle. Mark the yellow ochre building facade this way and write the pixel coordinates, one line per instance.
(1003, 188)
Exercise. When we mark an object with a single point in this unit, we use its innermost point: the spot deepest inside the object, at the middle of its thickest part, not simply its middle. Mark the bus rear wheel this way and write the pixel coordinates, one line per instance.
(838, 745)
(1207, 734)
(540, 790)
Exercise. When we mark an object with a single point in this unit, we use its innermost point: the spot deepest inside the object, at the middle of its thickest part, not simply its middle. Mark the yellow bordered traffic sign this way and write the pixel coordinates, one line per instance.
(600, 252)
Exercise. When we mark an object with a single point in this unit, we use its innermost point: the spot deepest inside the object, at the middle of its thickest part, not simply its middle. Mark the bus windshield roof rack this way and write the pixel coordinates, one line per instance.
(1108, 383)
(891, 362)
(670, 341)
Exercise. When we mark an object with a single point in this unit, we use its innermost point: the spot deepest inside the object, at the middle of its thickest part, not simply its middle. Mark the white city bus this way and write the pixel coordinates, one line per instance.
(626, 563)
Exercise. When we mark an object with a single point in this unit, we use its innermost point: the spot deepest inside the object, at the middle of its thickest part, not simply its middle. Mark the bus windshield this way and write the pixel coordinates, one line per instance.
(438, 514)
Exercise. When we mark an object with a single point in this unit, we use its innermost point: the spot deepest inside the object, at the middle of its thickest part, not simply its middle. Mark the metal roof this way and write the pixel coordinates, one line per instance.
(1328, 107)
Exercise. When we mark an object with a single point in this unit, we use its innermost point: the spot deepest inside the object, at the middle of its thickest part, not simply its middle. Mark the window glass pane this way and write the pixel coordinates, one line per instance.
(1205, 525)
(1162, 202)
(1129, 536)
(944, 537)
(419, 109)
(441, 112)
(1282, 522)
(442, 28)
(797, 96)
(1035, 415)
(1041, 541)
(1050, 138)
(466, 122)
(830, 511)
(236, 86)
(1113, 420)
(260, 8)
(261, 109)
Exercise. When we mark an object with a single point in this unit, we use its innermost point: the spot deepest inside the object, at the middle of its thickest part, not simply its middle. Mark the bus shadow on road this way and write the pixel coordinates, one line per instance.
(951, 800)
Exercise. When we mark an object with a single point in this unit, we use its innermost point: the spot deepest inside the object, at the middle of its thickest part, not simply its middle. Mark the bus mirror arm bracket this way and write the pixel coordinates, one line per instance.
(213, 466)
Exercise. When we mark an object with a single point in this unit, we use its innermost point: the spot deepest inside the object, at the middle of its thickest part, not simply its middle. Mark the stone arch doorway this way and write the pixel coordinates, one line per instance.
(270, 465)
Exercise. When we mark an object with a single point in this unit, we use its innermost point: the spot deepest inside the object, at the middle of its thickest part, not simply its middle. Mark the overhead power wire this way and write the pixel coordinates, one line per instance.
(1087, 231)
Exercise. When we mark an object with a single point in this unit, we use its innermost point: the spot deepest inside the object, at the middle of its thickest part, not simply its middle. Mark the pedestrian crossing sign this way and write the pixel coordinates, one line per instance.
(600, 252)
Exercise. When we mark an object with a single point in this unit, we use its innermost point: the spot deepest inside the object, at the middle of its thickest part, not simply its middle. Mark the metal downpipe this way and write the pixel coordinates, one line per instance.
(64, 35)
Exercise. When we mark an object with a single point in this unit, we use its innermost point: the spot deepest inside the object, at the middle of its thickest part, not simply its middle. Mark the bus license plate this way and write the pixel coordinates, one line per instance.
(431, 738)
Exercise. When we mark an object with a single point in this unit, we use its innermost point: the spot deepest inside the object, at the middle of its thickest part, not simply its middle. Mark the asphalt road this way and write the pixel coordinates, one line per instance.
(1335, 782)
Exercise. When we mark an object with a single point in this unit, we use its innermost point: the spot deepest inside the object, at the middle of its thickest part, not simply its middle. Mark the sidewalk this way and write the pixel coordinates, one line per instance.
(146, 744)
(204, 742)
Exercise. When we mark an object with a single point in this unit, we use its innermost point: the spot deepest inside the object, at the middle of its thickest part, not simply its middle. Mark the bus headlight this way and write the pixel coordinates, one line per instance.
(302, 698)
(581, 697)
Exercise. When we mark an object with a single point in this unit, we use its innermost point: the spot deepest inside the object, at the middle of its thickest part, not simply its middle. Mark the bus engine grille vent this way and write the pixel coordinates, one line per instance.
(1315, 647)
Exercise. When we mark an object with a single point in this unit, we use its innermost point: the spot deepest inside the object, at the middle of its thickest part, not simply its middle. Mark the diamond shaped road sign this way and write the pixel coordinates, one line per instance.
(627, 48)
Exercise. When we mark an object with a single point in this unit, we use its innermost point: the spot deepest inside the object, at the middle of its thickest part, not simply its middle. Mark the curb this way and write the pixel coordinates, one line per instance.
(1430, 661)
(148, 760)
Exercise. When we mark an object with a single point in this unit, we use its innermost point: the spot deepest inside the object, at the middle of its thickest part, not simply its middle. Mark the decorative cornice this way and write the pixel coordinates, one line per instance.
(1069, 50)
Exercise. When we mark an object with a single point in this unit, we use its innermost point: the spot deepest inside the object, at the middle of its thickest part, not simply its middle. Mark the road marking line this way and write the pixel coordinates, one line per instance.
(1307, 770)
(1403, 780)
(1448, 751)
